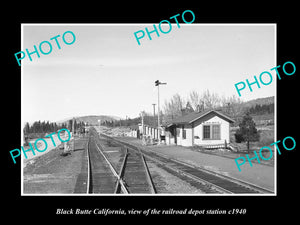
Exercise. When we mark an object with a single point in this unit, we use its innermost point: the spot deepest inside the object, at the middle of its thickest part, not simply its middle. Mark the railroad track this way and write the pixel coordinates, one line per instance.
(101, 177)
(135, 173)
(104, 175)
(196, 176)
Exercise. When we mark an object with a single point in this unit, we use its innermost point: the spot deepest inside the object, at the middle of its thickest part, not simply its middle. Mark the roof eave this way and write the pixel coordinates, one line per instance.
(220, 114)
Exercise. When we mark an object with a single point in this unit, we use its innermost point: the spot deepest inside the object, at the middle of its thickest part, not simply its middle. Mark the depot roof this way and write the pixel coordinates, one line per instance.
(194, 116)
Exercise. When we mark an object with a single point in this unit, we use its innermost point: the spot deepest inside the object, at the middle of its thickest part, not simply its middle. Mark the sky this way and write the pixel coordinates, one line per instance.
(106, 72)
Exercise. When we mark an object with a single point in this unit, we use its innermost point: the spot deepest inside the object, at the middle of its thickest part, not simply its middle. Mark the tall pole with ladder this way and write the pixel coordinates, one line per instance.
(158, 117)
(157, 83)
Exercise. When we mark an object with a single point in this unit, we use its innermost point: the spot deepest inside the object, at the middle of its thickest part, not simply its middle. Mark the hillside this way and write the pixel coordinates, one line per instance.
(261, 110)
(259, 101)
(92, 119)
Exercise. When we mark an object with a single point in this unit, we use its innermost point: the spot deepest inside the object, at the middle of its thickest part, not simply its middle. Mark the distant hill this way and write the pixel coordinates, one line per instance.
(259, 101)
(261, 110)
(92, 119)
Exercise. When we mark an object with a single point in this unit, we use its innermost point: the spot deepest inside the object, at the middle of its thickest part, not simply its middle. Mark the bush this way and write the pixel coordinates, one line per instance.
(239, 136)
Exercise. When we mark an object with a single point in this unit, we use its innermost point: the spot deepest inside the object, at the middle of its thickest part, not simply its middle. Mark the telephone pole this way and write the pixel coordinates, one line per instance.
(143, 135)
(73, 130)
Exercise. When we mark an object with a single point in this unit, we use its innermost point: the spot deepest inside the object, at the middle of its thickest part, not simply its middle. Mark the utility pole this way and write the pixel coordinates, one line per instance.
(142, 115)
(73, 130)
(65, 144)
(143, 137)
(157, 83)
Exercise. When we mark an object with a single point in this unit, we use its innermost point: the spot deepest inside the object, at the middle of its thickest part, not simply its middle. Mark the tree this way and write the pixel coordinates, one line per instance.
(247, 131)
(188, 108)
(70, 123)
(173, 108)
(207, 99)
(211, 100)
(178, 106)
(195, 99)
(27, 128)
(232, 106)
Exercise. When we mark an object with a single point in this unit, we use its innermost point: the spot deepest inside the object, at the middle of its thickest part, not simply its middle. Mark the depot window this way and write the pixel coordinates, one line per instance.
(212, 132)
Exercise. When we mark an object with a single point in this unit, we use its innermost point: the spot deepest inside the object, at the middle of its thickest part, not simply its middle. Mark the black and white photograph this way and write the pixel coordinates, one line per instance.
(182, 113)
(133, 112)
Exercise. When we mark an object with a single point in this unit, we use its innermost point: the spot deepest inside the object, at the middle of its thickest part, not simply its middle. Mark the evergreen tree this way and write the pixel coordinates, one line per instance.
(43, 126)
(247, 131)
(70, 122)
(27, 128)
(47, 127)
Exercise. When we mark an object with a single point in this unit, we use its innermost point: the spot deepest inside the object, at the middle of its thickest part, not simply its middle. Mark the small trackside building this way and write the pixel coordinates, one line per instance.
(199, 128)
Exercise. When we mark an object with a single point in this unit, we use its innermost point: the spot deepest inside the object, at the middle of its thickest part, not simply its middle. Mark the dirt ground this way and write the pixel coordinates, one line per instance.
(166, 183)
(40, 145)
(53, 173)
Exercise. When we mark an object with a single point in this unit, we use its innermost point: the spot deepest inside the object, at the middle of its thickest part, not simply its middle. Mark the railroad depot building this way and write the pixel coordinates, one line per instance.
(199, 128)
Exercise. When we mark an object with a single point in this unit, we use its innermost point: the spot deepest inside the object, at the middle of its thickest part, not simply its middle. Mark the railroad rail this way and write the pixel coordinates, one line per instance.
(102, 176)
(135, 174)
(218, 183)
